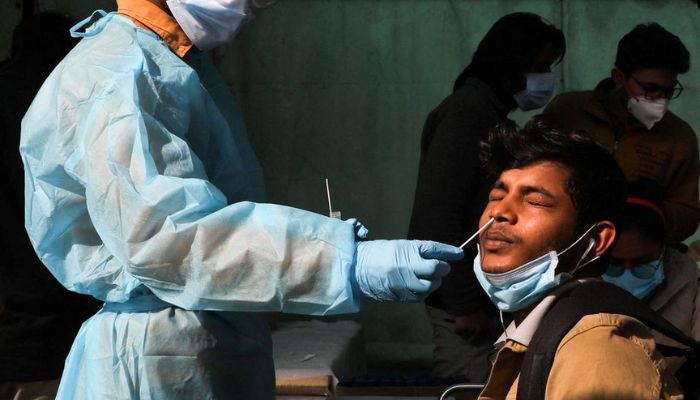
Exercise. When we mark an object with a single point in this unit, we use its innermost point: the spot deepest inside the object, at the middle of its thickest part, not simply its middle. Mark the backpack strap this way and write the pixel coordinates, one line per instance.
(585, 299)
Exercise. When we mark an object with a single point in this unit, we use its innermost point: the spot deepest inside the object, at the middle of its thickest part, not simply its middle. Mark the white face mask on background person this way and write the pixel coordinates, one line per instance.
(210, 23)
(647, 111)
(538, 90)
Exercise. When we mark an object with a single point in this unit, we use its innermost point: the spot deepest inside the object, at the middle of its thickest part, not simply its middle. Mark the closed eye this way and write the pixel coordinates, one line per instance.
(538, 196)
(496, 194)
(538, 200)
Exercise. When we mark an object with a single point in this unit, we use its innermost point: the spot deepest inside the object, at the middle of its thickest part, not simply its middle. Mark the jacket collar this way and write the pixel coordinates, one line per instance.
(148, 16)
(524, 332)
(677, 275)
(609, 105)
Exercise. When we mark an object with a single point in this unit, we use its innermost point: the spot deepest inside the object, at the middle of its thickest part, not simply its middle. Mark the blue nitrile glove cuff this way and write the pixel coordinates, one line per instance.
(401, 270)
(360, 231)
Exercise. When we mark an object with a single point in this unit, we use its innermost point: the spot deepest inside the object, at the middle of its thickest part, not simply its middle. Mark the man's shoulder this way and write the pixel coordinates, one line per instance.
(471, 104)
(680, 264)
(118, 46)
(571, 100)
(571, 106)
(613, 356)
(591, 326)
(679, 285)
(119, 59)
(476, 97)
(676, 126)
(573, 97)
(474, 94)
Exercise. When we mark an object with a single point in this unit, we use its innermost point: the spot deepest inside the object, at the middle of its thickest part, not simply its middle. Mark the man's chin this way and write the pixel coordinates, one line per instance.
(495, 267)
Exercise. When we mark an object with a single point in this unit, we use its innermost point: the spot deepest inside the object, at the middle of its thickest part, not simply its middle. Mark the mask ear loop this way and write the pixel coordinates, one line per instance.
(503, 325)
(577, 240)
(579, 265)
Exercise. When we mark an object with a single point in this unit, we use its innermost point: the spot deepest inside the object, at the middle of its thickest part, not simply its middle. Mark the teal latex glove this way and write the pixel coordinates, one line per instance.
(402, 270)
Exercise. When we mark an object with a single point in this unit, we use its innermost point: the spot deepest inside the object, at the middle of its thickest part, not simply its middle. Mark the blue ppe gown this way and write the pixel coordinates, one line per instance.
(142, 191)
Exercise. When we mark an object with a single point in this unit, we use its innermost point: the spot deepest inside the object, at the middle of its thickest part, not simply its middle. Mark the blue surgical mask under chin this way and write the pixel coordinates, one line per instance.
(522, 286)
(538, 90)
(639, 287)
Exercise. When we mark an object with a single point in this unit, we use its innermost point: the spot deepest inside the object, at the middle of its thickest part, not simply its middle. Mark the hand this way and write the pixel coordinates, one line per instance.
(402, 270)
(471, 326)
(360, 231)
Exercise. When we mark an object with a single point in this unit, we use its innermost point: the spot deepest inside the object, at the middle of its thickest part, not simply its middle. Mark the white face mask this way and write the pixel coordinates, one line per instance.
(648, 112)
(538, 91)
(210, 23)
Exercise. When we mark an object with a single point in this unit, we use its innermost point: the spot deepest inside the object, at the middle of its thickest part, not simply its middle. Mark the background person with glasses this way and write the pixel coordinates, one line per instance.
(641, 264)
(628, 115)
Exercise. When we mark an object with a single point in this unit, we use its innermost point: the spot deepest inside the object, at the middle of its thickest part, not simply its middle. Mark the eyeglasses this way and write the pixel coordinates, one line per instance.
(653, 91)
(641, 271)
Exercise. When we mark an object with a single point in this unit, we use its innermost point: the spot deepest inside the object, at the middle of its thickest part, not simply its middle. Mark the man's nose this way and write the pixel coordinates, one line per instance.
(502, 212)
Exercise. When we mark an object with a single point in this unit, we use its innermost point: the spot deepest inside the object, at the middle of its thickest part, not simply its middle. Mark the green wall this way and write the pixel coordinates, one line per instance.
(340, 89)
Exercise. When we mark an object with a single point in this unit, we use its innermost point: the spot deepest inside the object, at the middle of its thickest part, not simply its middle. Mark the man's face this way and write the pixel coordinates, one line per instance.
(533, 215)
(653, 83)
(633, 248)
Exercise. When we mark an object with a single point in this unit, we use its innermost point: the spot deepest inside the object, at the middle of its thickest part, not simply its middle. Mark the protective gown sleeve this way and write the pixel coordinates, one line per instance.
(117, 198)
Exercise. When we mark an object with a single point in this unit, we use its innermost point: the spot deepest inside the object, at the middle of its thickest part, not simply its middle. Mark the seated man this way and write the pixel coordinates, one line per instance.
(553, 208)
(628, 115)
(661, 276)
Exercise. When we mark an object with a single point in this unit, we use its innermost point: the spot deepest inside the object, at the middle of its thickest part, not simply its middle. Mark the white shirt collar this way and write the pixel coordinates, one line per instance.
(523, 333)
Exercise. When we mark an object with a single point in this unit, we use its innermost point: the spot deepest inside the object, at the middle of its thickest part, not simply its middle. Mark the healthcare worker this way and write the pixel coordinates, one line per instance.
(142, 191)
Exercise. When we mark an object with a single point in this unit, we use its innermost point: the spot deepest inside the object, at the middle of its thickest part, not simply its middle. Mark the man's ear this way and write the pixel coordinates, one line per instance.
(605, 235)
(618, 77)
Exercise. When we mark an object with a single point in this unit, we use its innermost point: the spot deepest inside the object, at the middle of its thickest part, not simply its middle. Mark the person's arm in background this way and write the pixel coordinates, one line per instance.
(450, 195)
(681, 195)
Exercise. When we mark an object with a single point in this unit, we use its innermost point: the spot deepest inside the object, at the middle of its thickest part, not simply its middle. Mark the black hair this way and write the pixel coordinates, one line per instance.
(509, 49)
(42, 40)
(596, 185)
(643, 210)
(651, 46)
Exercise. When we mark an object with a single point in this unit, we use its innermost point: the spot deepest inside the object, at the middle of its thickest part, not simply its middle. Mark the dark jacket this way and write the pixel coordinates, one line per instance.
(667, 153)
(38, 317)
(452, 187)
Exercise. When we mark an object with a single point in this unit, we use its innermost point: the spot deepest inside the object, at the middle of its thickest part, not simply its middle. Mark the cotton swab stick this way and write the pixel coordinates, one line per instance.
(486, 225)
(328, 192)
